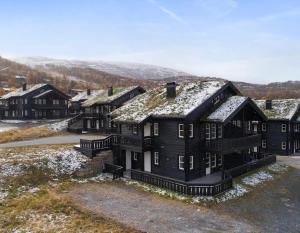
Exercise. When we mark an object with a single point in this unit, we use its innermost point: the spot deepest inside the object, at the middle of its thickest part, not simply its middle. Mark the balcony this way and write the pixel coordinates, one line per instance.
(48, 106)
(229, 145)
(148, 143)
(127, 141)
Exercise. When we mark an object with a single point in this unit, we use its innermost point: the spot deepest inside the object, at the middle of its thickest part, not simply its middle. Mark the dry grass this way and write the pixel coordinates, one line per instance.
(48, 210)
(25, 134)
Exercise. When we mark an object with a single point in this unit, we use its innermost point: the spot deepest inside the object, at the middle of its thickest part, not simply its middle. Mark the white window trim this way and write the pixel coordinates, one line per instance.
(220, 131)
(220, 160)
(213, 131)
(181, 130)
(155, 129)
(181, 162)
(191, 162)
(283, 128)
(283, 145)
(135, 129)
(156, 158)
(207, 131)
(264, 127)
(214, 160)
(191, 130)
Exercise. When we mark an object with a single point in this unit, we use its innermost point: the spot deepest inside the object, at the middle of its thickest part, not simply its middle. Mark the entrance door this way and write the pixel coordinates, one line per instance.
(208, 163)
(147, 161)
(128, 159)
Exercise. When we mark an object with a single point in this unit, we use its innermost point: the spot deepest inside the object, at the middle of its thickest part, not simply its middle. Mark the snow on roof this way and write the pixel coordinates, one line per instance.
(103, 97)
(42, 94)
(155, 103)
(19, 92)
(84, 96)
(227, 108)
(282, 109)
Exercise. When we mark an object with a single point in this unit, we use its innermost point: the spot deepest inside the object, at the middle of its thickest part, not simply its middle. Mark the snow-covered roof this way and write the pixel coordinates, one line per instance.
(19, 92)
(102, 97)
(282, 109)
(43, 94)
(227, 108)
(189, 95)
(84, 96)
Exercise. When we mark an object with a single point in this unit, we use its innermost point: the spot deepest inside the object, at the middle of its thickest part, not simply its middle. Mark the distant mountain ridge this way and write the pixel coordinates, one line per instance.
(130, 70)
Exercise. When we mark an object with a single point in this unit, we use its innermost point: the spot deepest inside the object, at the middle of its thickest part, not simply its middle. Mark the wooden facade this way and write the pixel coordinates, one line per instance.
(40, 101)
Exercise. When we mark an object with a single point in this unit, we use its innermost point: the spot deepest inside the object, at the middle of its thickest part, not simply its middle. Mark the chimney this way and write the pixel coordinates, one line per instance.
(110, 91)
(171, 90)
(88, 91)
(24, 86)
(268, 104)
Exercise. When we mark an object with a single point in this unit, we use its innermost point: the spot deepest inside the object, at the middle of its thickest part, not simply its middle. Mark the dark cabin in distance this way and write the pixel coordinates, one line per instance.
(39, 101)
(281, 131)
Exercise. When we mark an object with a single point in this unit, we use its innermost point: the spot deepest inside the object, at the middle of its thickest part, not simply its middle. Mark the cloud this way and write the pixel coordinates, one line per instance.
(167, 11)
(218, 8)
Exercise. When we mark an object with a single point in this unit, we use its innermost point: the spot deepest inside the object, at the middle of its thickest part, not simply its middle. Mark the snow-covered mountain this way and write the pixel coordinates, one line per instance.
(130, 70)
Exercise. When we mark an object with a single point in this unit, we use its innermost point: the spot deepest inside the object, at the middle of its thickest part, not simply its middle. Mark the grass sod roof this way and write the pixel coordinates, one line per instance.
(227, 108)
(19, 92)
(189, 95)
(282, 109)
(102, 97)
(84, 96)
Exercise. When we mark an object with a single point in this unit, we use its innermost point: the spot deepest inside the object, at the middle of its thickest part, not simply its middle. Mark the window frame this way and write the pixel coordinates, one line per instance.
(155, 129)
(180, 131)
(220, 131)
(213, 160)
(264, 143)
(181, 157)
(191, 162)
(283, 145)
(264, 127)
(213, 128)
(191, 130)
(283, 128)
(134, 129)
(156, 159)
(207, 131)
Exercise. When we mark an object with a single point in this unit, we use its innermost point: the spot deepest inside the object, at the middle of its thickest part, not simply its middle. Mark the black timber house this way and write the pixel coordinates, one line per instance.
(281, 131)
(39, 101)
(96, 107)
(191, 137)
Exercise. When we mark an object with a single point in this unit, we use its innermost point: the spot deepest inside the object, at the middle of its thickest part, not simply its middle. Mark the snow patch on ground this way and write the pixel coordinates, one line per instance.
(57, 126)
(257, 178)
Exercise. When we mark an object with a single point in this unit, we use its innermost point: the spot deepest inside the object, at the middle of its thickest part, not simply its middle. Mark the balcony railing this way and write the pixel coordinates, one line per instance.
(148, 143)
(91, 147)
(227, 145)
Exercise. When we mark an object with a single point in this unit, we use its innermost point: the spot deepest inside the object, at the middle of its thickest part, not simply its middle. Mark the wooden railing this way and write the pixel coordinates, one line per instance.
(116, 170)
(74, 119)
(227, 145)
(91, 147)
(181, 186)
(237, 171)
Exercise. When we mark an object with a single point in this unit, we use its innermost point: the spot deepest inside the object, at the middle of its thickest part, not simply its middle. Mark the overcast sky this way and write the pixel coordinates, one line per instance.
(254, 41)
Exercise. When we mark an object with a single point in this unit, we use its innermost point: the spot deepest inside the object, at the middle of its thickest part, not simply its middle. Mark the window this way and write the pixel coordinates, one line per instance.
(135, 156)
(191, 162)
(181, 130)
(213, 160)
(26, 113)
(220, 160)
(134, 129)
(295, 128)
(207, 159)
(207, 131)
(156, 158)
(249, 125)
(191, 130)
(25, 101)
(220, 131)
(102, 123)
(213, 131)
(181, 162)
(55, 102)
(264, 127)
(263, 143)
(238, 123)
(283, 145)
(155, 129)
(283, 128)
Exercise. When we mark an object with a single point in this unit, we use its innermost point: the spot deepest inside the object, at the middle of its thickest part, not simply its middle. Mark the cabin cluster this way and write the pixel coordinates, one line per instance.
(190, 137)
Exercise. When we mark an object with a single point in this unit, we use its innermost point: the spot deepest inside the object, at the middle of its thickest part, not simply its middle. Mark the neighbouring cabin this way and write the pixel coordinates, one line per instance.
(97, 108)
(77, 100)
(39, 101)
(281, 131)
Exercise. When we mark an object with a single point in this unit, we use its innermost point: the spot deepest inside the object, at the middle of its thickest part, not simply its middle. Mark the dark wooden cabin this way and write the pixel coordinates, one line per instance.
(97, 108)
(39, 101)
(191, 138)
(281, 131)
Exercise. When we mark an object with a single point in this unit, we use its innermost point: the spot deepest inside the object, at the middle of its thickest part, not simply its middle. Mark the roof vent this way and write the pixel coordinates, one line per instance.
(88, 91)
(171, 90)
(268, 104)
(24, 86)
(110, 91)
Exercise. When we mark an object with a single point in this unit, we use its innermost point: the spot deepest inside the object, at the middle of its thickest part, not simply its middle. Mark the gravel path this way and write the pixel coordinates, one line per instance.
(63, 139)
(147, 212)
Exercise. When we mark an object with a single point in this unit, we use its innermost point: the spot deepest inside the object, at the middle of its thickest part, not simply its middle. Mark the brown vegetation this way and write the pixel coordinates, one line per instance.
(25, 134)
